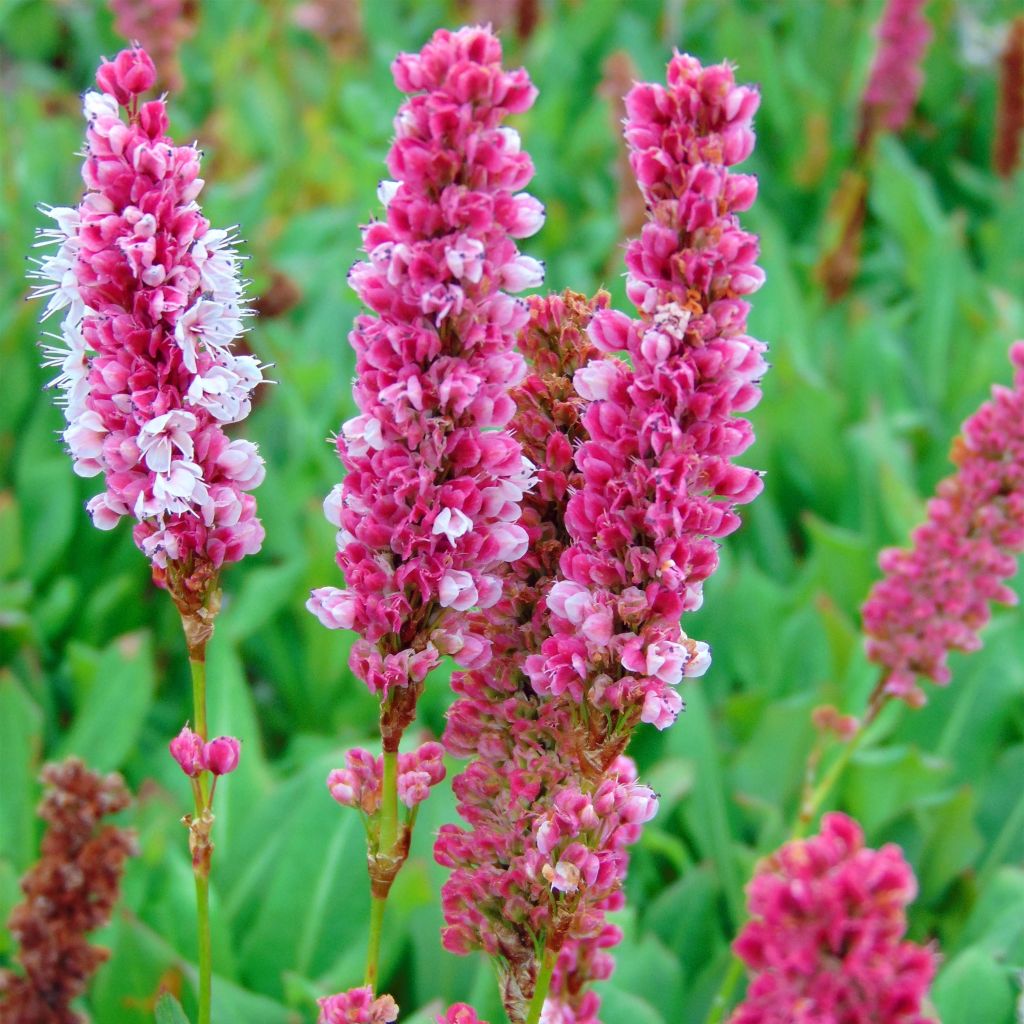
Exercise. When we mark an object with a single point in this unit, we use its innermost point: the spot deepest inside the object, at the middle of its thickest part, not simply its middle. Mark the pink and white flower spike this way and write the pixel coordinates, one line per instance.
(151, 299)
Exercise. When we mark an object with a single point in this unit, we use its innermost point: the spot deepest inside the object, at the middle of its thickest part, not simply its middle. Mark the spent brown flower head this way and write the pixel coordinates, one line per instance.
(69, 892)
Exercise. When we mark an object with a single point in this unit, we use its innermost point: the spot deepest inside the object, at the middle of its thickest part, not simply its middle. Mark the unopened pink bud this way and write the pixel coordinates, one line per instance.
(129, 74)
(220, 756)
(187, 749)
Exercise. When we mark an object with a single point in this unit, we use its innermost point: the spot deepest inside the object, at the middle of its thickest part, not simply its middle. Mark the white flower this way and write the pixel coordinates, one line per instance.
(215, 324)
(218, 263)
(84, 438)
(162, 434)
(452, 522)
(226, 388)
(387, 190)
(362, 433)
(457, 590)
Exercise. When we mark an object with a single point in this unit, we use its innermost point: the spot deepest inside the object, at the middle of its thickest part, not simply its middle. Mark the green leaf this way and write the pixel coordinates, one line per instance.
(21, 743)
(882, 784)
(974, 988)
(107, 727)
(618, 1005)
(169, 1011)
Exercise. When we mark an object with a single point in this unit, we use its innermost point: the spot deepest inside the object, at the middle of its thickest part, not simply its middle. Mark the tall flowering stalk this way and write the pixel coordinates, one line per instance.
(658, 484)
(151, 296)
(826, 937)
(428, 512)
(587, 641)
(543, 857)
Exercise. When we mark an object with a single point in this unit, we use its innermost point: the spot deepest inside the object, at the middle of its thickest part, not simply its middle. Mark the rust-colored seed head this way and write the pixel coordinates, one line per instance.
(1010, 111)
(70, 892)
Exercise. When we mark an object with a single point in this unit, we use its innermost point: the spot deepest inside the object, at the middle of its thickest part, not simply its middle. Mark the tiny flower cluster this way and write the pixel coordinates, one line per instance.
(152, 301)
(429, 509)
(896, 76)
(358, 1006)
(935, 596)
(359, 783)
(825, 942)
(218, 756)
(658, 486)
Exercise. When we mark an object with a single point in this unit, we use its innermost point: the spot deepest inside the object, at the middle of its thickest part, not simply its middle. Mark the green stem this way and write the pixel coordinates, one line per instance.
(540, 990)
(205, 951)
(730, 980)
(201, 867)
(389, 803)
(198, 666)
(812, 804)
(377, 905)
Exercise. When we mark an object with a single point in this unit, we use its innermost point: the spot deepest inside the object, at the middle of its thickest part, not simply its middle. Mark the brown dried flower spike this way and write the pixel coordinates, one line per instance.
(71, 891)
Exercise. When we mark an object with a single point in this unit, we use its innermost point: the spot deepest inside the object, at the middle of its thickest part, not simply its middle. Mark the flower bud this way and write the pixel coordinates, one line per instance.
(220, 755)
(187, 749)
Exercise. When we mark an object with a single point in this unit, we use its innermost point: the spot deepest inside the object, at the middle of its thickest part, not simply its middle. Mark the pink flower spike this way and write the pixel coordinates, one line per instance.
(152, 299)
(937, 595)
(187, 749)
(428, 513)
(220, 755)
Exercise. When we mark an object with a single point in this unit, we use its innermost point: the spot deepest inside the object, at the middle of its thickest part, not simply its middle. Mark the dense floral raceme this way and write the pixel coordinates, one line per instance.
(428, 512)
(825, 940)
(543, 856)
(896, 76)
(935, 596)
(70, 892)
(151, 298)
(658, 484)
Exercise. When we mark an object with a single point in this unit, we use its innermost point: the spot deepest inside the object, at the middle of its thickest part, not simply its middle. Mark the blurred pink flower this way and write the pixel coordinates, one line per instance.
(935, 596)
(826, 938)
(896, 76)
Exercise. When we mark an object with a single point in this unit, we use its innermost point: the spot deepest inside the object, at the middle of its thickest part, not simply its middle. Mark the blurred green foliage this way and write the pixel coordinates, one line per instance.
(854, 429)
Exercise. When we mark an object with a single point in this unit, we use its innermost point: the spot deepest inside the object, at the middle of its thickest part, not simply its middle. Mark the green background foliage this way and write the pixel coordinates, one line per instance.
(862, 401)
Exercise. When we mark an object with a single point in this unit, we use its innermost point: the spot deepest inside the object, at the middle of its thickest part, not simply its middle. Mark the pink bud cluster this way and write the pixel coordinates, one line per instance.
(152, 301)
(359, 783)
(658, 483)
(357, 1006)
(825, 942)
(428, 512)
(543, 856)
(935, 596)
(896, 76)
(218, 756)
(160, 26)
(460, 1013)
